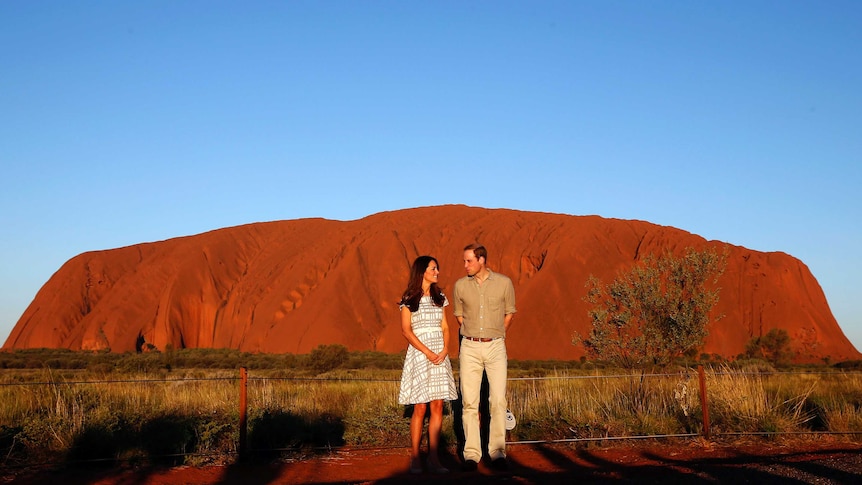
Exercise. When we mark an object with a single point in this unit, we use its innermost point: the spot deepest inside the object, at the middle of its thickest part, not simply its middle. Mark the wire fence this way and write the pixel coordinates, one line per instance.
(696, 405)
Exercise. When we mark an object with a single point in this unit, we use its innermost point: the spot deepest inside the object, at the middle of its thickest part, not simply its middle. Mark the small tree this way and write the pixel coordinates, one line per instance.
(774, 346)
(325, 358)
(656, 312)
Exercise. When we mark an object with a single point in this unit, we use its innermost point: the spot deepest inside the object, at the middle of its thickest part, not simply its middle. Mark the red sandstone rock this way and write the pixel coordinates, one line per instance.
(290, 286)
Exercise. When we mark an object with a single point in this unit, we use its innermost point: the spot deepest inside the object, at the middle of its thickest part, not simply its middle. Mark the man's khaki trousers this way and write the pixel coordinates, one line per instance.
(474, 357)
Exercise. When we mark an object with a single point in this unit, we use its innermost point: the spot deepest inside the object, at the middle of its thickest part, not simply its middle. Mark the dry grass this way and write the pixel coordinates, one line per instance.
(598, 406)
(193, 417)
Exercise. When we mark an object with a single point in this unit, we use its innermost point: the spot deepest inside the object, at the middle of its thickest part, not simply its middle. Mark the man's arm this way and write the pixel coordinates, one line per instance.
(457, 303)
(507, 320)
(458, 306)
(509, 299)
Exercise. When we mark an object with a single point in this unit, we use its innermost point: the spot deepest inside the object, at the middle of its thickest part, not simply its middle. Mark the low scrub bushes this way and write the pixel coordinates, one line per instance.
(134, 410)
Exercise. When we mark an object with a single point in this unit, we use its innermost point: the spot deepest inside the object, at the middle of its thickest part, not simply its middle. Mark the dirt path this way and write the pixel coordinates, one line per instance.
(686, 462)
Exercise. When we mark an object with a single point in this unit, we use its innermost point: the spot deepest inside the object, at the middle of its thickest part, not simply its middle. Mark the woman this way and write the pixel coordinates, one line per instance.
(427, 376)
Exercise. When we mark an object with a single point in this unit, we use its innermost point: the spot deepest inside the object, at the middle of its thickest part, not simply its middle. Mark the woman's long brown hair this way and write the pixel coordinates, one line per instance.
(413, 293)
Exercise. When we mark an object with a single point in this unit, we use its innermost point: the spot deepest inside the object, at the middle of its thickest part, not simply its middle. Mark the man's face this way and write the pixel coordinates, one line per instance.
(471, 263)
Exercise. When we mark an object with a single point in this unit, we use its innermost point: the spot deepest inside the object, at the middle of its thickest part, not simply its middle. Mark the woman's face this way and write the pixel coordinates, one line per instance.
(431, 273)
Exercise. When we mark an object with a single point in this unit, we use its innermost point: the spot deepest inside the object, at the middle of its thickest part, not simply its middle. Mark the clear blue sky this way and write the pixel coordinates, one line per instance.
(128, 122)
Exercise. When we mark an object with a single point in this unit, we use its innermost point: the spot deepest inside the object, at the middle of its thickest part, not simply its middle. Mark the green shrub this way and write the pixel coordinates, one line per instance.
(325, 358)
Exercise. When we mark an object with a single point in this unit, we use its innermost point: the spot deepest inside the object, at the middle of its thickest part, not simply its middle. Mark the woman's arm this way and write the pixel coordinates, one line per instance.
(412, 339)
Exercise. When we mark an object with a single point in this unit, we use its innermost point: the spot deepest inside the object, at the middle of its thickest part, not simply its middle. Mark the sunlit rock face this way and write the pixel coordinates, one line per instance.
(289, 286)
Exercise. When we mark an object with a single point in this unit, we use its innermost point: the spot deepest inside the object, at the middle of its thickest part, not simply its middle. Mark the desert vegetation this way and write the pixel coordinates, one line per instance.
(182, 406)
(655, 312)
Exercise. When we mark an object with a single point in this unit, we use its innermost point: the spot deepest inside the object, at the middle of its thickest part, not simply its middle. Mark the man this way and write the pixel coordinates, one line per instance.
(484, 304)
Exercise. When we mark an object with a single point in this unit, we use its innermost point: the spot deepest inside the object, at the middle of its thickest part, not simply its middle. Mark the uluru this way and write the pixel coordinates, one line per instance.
(290, 286)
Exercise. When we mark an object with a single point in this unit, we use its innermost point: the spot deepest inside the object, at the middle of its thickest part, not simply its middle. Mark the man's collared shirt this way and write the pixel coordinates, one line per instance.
(484, 307)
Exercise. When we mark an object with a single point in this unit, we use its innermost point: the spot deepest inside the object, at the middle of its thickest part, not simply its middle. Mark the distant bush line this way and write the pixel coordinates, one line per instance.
(322, 359)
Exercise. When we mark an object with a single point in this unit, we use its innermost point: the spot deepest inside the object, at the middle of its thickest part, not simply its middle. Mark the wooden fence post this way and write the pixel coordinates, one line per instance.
(243, 408)
(704, 404)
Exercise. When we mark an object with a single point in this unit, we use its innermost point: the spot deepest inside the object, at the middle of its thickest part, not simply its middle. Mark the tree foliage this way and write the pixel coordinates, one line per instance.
(325, 358)
(655, 312)
(774, 346)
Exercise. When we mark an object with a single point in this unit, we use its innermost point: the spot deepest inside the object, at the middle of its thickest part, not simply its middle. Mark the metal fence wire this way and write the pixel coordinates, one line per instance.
(693, 400)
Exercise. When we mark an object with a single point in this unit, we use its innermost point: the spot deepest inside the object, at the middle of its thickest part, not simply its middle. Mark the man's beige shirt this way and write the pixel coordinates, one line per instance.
(484, 307)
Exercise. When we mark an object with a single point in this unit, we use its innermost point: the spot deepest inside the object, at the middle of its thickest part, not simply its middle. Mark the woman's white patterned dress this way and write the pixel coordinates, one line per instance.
(422, 381)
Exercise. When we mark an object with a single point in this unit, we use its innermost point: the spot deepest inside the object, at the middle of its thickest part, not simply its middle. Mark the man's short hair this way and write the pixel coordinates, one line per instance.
(478, 250)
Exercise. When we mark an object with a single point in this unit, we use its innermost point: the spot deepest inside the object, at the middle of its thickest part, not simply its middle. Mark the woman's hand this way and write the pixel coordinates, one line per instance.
(436, 359)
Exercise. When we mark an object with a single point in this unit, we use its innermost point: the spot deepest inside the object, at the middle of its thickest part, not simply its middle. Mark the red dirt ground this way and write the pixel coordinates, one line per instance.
(822, 461)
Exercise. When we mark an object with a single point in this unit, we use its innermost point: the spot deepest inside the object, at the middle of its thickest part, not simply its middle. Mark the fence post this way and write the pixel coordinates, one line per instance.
(704, 404)
(243, 408)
